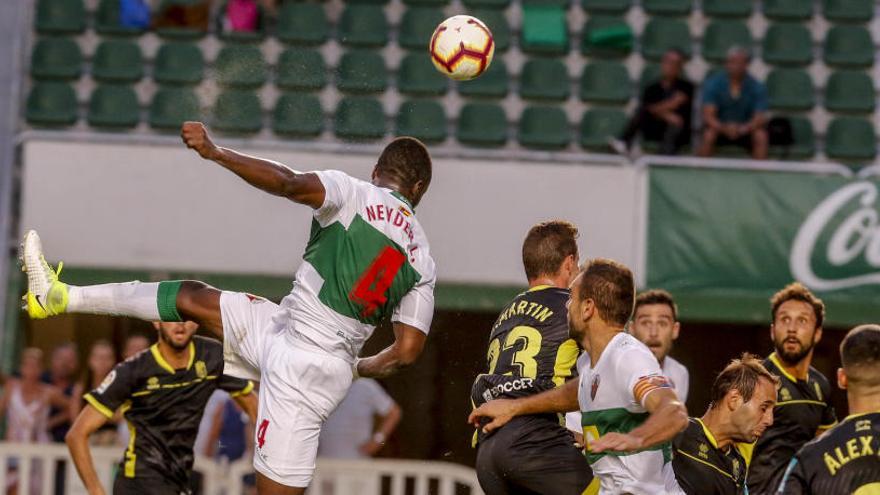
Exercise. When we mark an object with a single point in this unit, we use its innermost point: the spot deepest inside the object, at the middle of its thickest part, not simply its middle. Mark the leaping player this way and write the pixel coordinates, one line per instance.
(367, 258)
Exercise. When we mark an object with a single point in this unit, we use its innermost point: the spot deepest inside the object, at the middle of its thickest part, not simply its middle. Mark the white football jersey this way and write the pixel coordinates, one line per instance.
(367, 257)
(678, 377)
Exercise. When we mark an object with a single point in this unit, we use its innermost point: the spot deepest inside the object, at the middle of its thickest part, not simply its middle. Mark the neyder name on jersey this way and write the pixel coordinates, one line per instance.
(701, 467)
(844, 460)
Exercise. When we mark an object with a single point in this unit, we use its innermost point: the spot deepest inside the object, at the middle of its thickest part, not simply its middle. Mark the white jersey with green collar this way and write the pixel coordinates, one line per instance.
(367, 258)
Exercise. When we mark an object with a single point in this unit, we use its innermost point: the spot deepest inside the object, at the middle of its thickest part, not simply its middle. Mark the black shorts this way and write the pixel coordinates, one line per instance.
(532, 456)
(147, 486)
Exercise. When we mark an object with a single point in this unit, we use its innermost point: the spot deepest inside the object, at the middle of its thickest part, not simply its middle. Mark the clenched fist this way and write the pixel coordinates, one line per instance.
(195, 136)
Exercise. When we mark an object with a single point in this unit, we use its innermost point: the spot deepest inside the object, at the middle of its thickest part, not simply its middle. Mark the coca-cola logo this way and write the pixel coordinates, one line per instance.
(857, 235)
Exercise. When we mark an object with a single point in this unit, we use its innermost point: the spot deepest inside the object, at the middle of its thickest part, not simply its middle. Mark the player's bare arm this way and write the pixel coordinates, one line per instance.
(268, 175)
(501, 411)
(668, 417)
(77, 439)
(407, 347)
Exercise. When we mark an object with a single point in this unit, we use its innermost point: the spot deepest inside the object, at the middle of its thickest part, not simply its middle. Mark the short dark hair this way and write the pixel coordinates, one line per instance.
(796, 291)
(860, 355)
(547, 245)
(656, 296)
(406, 159)
(741, 375)
(611, 287)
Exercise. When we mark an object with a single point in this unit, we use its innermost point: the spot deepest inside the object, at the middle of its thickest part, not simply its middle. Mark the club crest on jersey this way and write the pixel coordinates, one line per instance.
(594, 387)
(784, 395)
(704, 451)
(201, 369)
(152, 383)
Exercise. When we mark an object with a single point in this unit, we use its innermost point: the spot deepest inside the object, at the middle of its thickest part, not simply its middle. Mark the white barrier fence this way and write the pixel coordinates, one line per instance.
(32, 469)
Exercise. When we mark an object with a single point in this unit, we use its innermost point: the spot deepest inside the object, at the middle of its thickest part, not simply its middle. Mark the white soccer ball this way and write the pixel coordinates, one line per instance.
(462, 47)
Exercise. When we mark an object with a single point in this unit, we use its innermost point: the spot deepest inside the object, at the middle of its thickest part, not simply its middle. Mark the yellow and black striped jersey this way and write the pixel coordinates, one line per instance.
(701, 467)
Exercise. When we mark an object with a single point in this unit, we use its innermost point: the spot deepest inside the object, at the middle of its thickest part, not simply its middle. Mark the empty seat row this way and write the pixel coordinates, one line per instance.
(854, 11)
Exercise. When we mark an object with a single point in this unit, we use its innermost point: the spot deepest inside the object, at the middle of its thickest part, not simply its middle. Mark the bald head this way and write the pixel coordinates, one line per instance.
(860, 358)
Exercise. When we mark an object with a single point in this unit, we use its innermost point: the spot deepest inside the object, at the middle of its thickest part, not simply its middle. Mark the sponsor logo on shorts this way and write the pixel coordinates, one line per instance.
(502, 388)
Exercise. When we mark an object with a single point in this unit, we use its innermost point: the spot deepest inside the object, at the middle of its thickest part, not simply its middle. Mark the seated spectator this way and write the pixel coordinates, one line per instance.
(735, 108)
(183, 14)
(241, 16)
(352, 431)
(134, 344)
(101, 360)
(665, 109)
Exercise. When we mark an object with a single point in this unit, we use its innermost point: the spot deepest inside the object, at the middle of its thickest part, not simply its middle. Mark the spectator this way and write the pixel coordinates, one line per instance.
(665, 110)
(241, 16)
(735, 108)
(61, 373)
(348, 433)
(192, 14)
(134, 344)
(102, 359)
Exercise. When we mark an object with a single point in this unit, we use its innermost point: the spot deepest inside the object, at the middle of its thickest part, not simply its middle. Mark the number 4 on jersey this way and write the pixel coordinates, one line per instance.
(369, 291)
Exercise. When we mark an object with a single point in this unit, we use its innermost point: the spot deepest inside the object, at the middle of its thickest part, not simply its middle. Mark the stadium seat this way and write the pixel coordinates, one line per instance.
(494, 83)
(118, 61)
(790, 89)
(848, 10)
(849, 46)
(544, 127)
(362, 71)
(849, 91)
(544, 30)
(299, 115)
(598, 125)
(851, 139)
(650, 74)
(544, 79)
(727, 8)
(363, 25)
(179, 63)
(180, 33)
(787, 43)
(606, 6)
(606, 36)
(107, 20)
(788, 10)
(359, 118)
(374, 2)
(229, 35)
(668, 7)
(302, 23)
(482, 124)
(302, 69)
(114, 106)
(606, 82)
(499, 5)
(240, 66)
(417, 25)
(51, 104)
(56, 58)
(422, 119)
(417, 76)
(497, 23)
(804, 141)
(662, 34)
(60, 17)
(238, 111)
(721, 35)
(173, 106)
(427, 3)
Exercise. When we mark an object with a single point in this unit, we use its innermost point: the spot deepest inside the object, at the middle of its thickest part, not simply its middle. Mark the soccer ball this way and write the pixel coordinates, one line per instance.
(462, 47)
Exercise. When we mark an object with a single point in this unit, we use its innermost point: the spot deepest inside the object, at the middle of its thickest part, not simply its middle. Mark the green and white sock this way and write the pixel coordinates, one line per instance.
(152, 301)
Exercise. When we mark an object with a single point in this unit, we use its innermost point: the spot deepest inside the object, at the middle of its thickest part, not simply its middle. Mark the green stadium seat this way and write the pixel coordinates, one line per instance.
(238, 111)
(804, 146)
(180, 33)
(605, 82)
(179, 63)
(173, 106)
(600, 124)
(788, 10)
(851, 139)
(482, 124)
(650, 74)
(788, 43)
(107, 20)
(727, 8)
(301, 69)
(118, 61)
(426, 3)
(606, 6)
(860, 11)
(373, 2)
(422, 119)
(849, 91)
(302, 23)
(362, 71)
(720, 35)
(298, 115)
(240, 66)
(544, 30)
(51, 104)
(56, 58)
(544, 127)
(417, 26)
(364, 25)
(606, 36)
(544, 79)
(60, 17)
(661, 34)
(359, 118)
(494, 83)
(849, 46)
(497, 23)
(790, 89)
(668, 7)
(229, 35)
(487, 4)
(114, 106)
(418, 76)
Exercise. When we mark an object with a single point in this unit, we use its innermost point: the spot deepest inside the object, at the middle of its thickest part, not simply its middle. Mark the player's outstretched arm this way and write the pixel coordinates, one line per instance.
(77, 439)
(268, 175)
(668, 417)
(408, 344)
(500, 411)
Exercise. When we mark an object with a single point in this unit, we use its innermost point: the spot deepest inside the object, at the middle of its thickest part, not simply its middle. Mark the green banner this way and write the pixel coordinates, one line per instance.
(725, 240)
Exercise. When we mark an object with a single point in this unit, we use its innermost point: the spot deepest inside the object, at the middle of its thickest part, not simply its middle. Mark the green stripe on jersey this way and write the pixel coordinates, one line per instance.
(616, 420)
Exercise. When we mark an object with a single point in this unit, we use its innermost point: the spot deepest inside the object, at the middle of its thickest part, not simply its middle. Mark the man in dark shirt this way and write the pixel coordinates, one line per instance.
(664, 113)
(162, 393)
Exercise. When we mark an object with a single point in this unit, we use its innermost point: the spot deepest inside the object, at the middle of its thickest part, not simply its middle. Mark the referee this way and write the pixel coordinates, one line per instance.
(162, 394)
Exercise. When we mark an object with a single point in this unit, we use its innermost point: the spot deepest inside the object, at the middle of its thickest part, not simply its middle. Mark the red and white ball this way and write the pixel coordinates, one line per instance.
(462, 47)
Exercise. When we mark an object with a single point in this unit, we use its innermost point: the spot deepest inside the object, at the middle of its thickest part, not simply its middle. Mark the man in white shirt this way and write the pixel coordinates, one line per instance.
(655, 324)
(349, 431)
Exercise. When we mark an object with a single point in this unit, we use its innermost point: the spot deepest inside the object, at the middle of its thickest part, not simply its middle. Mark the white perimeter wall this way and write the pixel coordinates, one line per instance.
(163, 208)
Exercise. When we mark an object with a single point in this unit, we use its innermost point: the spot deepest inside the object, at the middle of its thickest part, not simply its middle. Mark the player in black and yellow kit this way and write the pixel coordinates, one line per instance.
(803, 407)
(162, 394)
(707, 456)
(530, 351)
(846, 459)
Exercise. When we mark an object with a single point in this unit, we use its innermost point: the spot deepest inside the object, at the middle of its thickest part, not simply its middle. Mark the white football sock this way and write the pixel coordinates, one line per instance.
(135, 299)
